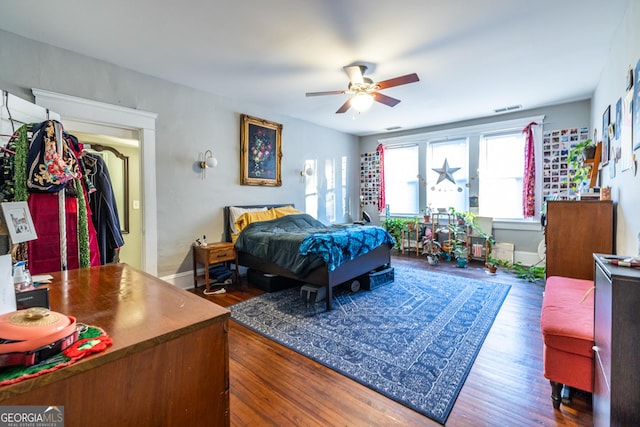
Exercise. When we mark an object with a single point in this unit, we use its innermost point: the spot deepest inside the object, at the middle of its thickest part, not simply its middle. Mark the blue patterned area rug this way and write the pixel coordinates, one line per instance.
(413, 340)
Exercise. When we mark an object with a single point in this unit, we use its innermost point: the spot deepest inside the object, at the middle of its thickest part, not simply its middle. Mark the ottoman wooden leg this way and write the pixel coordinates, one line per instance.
(556, 392)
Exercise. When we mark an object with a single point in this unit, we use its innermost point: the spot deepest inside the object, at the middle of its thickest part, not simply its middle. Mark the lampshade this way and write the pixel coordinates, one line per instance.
(361, 101)
(207, 161)
(212, 162)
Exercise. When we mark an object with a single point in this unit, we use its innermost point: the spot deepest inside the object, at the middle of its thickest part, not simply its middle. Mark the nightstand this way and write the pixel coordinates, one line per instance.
(213, 253)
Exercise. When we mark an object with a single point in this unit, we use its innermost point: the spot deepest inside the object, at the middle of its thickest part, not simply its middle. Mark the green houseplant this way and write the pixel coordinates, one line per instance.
(426, 212)
(491, 264)
(395, 226)
(458, 244)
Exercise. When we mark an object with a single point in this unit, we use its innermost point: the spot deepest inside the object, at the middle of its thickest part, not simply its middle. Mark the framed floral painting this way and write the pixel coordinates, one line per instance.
(260, 152)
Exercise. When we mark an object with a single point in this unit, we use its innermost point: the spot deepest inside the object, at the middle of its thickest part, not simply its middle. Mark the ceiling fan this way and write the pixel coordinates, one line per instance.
(364, 91)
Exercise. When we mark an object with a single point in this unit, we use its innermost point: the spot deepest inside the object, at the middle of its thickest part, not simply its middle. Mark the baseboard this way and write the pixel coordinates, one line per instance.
(184, 280)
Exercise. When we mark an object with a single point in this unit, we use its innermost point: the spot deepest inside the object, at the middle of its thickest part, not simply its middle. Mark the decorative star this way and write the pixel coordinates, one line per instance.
(445, 172)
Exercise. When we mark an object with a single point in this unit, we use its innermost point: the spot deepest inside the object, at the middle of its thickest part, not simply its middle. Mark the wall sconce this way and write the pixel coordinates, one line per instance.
(306, 172)
(207, 161)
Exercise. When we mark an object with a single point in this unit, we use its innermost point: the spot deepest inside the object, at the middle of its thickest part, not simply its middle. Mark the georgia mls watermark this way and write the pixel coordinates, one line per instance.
(31, 416)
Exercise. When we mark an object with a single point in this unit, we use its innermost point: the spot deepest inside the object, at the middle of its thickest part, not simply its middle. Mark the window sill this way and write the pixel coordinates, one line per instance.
(519, 225)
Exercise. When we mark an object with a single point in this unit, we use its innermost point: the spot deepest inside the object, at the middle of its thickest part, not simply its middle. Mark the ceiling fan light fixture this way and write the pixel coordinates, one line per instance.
(362, 101)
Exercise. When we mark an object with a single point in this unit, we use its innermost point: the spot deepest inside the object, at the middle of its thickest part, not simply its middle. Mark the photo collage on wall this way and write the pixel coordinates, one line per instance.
(369, 178)
(555, 154)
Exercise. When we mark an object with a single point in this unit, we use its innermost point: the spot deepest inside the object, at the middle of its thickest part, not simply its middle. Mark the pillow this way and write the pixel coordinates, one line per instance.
(234, 214)
(285, 210)
(255, 216)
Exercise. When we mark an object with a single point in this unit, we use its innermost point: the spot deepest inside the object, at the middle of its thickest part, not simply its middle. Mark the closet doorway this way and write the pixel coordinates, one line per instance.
(97, 118)
(122, 157)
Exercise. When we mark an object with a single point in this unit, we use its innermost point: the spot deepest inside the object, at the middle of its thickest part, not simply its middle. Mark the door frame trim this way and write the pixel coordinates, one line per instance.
(144, 122)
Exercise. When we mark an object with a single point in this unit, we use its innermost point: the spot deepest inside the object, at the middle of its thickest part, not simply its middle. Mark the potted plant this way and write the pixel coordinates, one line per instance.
(491, 264)
(460, 253)
(432, 259)
(579, 170)
(394, 227)
(458, 245)
(431, 247)
(426, 212)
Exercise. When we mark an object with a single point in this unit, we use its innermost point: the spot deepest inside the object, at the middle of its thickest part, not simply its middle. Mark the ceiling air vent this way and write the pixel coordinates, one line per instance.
(393, 128)
(505, 109)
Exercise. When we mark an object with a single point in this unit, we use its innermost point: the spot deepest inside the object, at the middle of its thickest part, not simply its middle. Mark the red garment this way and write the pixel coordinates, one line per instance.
(44, 252)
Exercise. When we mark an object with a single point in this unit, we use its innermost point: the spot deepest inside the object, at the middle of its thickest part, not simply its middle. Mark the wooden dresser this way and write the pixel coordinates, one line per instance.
(616, 390)
(575, 230)
(168, 365)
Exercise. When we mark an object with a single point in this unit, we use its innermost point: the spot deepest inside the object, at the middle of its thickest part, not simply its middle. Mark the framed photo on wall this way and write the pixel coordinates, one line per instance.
(19, 223)
(260, 152)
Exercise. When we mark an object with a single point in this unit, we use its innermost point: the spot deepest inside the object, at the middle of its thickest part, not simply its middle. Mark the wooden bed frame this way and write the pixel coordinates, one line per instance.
(321, 276)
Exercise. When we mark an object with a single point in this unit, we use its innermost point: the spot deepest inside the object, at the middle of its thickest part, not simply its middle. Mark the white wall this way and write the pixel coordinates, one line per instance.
(625, 186)
(189, 122)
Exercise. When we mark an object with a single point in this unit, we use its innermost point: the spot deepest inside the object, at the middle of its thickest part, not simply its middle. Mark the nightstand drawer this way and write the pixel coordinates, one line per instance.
(221, 254)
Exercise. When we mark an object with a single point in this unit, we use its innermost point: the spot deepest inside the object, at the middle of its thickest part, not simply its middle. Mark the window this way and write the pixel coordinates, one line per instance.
(401, 179)
(501, 168)
(446, 194)
(489, 181)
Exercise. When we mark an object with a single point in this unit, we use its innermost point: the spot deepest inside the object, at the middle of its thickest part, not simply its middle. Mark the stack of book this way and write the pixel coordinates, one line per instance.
(591, 194)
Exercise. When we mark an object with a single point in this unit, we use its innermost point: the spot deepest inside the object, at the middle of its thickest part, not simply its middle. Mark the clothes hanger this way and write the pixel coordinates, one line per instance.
(11, 119)
(3, 148)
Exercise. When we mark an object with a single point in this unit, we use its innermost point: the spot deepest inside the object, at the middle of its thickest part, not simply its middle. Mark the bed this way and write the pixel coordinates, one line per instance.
(326, 271)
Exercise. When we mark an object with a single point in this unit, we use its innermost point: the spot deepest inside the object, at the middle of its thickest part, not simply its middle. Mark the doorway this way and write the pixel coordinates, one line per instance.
(98, 118)
(122, 158)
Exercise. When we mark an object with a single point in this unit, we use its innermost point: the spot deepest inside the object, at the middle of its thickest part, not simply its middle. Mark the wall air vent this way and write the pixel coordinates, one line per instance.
(506, 109)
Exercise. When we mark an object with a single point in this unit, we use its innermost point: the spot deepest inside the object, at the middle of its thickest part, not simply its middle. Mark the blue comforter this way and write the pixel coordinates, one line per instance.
(300, 243)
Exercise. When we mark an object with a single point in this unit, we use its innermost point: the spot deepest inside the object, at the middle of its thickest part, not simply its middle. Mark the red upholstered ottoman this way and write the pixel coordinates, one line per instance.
(567, 330)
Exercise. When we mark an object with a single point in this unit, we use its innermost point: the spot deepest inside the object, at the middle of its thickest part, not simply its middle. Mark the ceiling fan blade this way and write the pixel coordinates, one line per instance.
(355, 73)
(384, 99)
(330, 92)
(402, 80)
(344, 107)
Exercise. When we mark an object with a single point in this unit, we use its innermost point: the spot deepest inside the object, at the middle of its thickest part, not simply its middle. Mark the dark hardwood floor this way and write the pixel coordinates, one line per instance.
(272, 385)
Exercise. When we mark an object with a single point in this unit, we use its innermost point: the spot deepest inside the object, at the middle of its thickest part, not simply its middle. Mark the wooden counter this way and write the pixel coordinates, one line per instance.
(168, 365)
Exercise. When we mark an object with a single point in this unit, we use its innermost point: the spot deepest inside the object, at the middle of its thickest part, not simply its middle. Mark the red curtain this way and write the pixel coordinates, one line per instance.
(529, 185)
(382, 201)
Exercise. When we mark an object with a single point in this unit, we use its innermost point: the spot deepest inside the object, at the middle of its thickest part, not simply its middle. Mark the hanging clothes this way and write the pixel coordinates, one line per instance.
(87, 234)
(104, 208)
(47, 170)
(44, 252)
(38, 173)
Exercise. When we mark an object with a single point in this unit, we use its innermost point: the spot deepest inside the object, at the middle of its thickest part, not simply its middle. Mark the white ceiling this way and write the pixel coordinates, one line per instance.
(472, 56)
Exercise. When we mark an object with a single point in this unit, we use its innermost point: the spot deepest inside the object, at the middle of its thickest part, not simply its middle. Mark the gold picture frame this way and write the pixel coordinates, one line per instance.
(260, 152)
